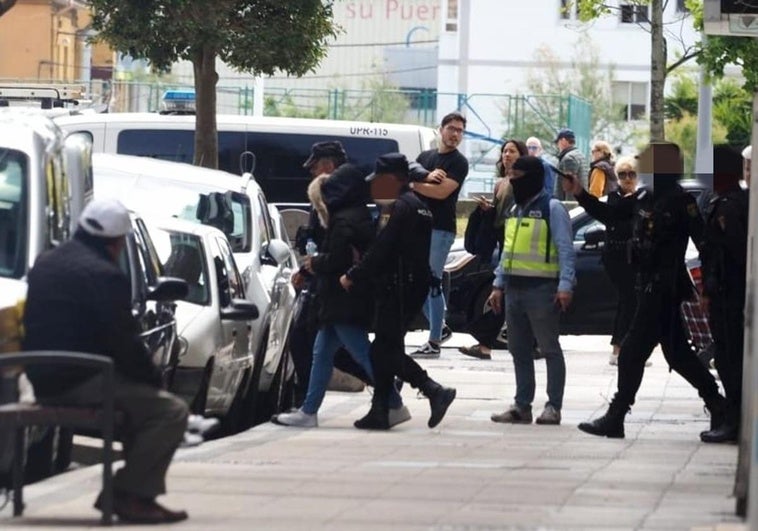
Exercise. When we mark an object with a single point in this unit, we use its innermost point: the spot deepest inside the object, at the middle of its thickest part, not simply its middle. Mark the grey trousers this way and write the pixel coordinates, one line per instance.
(155, 422)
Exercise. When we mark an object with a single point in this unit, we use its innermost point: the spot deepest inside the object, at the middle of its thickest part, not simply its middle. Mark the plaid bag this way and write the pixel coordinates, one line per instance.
(695, 319)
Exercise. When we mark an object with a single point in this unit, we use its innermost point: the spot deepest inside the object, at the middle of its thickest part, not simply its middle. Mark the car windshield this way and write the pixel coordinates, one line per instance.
(182, 257)
(13, 213)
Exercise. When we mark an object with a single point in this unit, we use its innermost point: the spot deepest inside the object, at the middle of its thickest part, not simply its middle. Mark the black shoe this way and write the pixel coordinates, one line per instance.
(726, 433)
(717, 409)
(439, 401)
(375, 419)
(610, 425)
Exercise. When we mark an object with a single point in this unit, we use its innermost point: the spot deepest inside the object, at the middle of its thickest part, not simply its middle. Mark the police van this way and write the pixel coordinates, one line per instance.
(280, 145)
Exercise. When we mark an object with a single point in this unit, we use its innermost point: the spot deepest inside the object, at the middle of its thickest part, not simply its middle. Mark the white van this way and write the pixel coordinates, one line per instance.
(280, 145)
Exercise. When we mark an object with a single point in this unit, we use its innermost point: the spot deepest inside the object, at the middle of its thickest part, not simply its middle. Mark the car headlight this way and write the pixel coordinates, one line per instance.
(457, 259)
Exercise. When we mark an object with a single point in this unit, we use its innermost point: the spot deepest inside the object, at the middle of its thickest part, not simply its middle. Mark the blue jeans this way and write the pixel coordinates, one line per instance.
(434, 307)
(328, 340)
(531, 313)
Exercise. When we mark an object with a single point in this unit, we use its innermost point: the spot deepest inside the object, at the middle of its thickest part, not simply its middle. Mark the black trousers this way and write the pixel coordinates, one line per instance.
(658, 320)
(395, 310)
(622, 276)
(727, 321)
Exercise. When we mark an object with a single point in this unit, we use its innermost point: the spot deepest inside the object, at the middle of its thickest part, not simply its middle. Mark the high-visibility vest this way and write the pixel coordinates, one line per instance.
(529, 250)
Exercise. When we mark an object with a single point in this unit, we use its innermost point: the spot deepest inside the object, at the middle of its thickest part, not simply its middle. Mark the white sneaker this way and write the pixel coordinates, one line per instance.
(427, 351)
(399, 415)
(200, 424)
(613, 359)
(297, 418)
(191, 439)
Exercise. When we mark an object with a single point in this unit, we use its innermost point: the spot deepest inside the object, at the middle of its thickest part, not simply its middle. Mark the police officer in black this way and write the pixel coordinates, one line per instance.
(397, 265)
(724, 261)
(663, 220)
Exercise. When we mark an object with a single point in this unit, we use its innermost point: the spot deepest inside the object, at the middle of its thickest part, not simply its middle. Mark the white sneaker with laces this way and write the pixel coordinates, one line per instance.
(427, 351)
(297, 419)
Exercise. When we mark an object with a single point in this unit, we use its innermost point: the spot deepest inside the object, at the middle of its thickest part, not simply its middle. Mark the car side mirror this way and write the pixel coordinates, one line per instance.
(168, 289)
(275, 252)
(240, 310)
(594, 239)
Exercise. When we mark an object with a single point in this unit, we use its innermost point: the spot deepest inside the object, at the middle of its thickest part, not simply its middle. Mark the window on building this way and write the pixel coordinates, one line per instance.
(633, 13)
(631, 99)
(451, 23)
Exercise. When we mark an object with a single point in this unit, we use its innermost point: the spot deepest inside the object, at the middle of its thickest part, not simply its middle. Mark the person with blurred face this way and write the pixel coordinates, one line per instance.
(662, 221)
(570, 161)
(448, 169)
(724, 261)
(396, 266)
(533, 284)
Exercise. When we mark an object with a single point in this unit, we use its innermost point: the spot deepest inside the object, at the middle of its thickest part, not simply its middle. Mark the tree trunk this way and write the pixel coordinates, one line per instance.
(206, 133)
(657, 70)
(6, 5)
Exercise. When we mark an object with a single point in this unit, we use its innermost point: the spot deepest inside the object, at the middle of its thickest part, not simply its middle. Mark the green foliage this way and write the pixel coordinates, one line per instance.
(591, 9)
(683, 132)
(588, 79)
(732, 106)
(716, 52)
(260, 36)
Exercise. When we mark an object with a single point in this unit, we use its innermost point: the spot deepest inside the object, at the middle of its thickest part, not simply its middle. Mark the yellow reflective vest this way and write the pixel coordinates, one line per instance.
(529, 250)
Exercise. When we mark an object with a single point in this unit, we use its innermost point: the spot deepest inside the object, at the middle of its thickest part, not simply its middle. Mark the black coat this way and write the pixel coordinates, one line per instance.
(349, 234)
(79, 300)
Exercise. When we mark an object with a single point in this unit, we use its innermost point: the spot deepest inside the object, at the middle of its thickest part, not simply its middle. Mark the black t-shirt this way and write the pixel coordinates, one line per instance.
(456, 167)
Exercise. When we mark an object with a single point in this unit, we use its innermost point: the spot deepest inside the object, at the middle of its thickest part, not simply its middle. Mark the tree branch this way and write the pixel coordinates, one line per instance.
(683, 59)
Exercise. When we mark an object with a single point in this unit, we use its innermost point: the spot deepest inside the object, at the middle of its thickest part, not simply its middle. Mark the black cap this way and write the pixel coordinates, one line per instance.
(530, 165)
(394, 163)
(568, 134)
(322, 150)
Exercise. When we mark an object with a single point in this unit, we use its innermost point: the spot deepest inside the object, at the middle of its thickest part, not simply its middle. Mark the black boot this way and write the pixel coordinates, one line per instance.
(728, 432)
(378, 416)
(440, 399)
(610, 425)
(717, 408)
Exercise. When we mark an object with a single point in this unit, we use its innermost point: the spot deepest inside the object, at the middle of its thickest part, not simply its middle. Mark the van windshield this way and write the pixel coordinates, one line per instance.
(13, 212)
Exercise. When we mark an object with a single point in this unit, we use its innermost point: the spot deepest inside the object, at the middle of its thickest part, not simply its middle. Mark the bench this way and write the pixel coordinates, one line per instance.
(16, 417)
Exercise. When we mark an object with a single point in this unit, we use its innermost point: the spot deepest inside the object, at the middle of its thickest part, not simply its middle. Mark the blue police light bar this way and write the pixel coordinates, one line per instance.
(178, 101)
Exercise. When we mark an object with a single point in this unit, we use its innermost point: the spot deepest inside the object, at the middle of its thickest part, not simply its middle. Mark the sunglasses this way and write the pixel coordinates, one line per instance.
(627, 175)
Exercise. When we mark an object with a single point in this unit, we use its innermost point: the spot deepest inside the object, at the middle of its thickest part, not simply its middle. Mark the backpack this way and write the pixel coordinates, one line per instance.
(480, 237)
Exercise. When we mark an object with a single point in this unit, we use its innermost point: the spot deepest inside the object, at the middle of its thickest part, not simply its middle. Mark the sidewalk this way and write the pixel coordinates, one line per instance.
(467, 474)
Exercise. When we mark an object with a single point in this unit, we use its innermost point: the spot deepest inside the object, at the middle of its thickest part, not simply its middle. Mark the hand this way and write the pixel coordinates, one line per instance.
(436, 176)
(495, 300)
(571, 184)
(563, 299)
(298, 280)
(483, 203)
(346, 283)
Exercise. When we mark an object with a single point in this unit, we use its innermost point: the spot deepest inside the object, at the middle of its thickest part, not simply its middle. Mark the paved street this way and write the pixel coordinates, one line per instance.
(468, 474)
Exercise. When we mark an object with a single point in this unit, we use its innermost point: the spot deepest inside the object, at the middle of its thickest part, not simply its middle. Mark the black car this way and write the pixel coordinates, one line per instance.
(468, 281)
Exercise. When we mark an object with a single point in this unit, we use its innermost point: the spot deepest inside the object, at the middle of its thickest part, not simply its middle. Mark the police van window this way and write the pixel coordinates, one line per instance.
(168, 144)
(279, 156)
(279, 160)
(13, 213)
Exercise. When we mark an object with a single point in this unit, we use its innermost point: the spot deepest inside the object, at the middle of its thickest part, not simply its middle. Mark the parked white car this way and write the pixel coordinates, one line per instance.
(236, 206)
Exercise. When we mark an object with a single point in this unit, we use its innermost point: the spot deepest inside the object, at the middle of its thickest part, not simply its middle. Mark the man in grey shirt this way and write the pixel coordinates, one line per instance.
(570, 160)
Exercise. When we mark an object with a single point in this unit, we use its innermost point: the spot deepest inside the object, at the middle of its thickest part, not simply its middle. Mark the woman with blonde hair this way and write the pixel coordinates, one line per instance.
(602, 178)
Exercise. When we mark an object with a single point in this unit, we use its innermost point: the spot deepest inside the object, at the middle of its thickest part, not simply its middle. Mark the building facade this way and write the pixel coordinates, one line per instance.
(46, 41)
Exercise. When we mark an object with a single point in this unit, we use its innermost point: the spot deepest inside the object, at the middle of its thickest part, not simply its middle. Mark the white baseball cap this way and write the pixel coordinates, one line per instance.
(107, 218)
